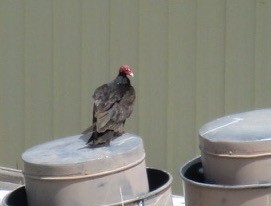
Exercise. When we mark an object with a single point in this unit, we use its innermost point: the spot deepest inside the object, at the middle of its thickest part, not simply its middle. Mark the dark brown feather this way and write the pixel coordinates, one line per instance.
(113, 104)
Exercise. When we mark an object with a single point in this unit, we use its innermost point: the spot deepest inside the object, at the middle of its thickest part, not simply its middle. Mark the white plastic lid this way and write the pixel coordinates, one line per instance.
(242, 135)
(71, 156)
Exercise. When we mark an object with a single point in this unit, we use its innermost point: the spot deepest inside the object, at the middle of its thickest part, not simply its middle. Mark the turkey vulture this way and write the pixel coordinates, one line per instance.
(113, 104)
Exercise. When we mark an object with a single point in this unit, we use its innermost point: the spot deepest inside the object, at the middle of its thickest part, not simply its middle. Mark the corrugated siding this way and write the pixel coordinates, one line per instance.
(194, 61)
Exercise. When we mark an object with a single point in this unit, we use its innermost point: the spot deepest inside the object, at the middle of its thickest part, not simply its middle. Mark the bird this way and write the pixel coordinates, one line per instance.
(113, 104)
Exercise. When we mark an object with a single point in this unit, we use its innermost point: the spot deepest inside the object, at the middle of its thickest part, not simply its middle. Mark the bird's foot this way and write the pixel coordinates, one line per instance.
(99, 143)
(117, 134)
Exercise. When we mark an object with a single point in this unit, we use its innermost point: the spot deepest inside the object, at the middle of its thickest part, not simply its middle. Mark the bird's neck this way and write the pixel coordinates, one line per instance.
(122, 79)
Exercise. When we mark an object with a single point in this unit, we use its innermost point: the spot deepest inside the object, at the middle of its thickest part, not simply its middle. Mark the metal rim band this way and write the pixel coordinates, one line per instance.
(232, 155)
(86, 175)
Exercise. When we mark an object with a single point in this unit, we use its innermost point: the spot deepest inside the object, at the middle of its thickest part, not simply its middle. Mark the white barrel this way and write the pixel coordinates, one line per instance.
(159, 193)
(236, 149)
(67, 172)
(199, 192)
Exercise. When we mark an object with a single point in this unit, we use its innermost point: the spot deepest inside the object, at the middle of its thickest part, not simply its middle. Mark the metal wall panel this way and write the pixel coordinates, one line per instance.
(194, 61)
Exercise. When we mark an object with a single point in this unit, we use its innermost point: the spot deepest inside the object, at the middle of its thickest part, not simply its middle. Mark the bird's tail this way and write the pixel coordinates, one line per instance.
(92, 138)
(100, 139)
(90, 129)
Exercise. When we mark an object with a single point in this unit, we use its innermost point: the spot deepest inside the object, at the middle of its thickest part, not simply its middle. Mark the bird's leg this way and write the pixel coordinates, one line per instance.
(117, 134)
(120, 131)
(102, 139)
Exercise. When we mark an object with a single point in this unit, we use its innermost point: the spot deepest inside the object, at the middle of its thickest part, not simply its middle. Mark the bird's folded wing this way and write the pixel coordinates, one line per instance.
(105, 96)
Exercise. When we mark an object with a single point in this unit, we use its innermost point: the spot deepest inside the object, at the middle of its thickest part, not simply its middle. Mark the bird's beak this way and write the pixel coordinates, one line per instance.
(131, 74)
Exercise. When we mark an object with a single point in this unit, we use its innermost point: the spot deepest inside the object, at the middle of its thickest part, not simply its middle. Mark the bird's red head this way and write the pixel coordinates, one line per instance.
(125, 69)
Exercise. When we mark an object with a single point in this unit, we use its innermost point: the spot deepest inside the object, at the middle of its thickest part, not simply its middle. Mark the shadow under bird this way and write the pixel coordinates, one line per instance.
(113, 104)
